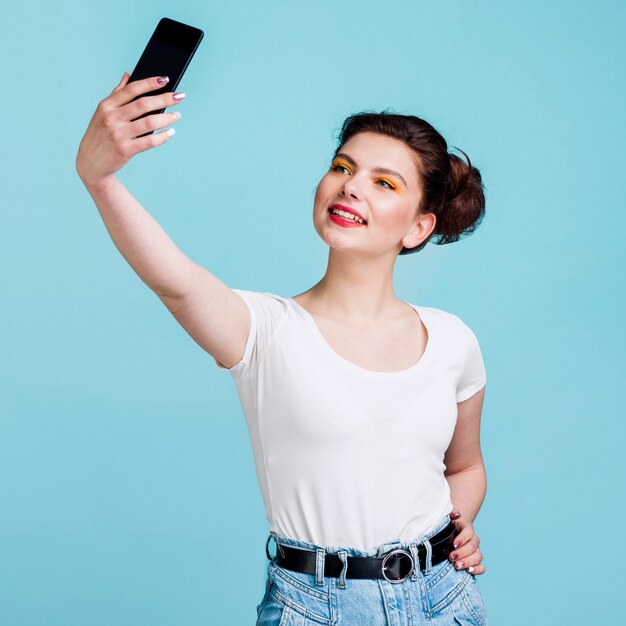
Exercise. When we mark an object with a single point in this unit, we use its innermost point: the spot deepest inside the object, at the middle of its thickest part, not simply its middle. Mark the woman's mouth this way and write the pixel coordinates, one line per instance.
(343, 218)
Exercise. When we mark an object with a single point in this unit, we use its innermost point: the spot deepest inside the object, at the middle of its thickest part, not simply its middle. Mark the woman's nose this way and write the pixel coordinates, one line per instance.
(350, 189)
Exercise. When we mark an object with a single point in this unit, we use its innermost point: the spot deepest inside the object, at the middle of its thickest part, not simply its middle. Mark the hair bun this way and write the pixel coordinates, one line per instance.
(459, 174)
(464, 206)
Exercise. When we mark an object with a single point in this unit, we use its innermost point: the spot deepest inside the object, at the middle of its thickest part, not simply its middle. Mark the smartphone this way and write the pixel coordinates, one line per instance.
(168, 53)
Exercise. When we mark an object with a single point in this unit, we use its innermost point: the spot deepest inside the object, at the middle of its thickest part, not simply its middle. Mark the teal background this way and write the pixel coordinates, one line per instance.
(127, 488)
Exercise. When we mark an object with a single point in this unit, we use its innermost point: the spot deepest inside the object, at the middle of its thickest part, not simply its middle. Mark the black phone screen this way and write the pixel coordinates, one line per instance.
(168, 53)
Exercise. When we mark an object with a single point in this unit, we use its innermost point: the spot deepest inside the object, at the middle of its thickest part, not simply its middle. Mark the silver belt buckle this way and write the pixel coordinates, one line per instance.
(397, 554)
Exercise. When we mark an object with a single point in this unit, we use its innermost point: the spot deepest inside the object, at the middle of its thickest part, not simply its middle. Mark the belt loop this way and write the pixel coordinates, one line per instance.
(416, 560)
(267, 543)
(278, 547)
(320, 561)
(429, 556)
(343, 555)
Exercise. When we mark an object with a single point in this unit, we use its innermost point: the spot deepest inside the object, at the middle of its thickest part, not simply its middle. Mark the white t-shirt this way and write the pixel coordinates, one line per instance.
(345, 456)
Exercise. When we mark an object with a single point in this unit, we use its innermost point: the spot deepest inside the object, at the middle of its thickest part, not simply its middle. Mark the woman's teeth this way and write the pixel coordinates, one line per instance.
(348, 216)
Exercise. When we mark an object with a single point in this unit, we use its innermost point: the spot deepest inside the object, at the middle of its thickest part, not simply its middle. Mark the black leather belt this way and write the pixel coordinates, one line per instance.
(394, 566)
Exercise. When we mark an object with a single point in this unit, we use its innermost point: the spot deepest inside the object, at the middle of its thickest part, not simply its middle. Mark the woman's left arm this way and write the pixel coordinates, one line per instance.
(465, 473)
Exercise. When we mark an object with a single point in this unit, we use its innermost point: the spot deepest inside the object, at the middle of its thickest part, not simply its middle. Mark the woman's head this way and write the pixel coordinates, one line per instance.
(429, 194)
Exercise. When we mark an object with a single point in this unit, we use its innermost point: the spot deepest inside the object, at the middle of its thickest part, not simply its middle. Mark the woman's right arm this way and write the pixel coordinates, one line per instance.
(212, 313)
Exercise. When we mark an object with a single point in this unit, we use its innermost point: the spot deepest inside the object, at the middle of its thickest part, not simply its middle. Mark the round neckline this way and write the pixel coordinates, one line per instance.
(353, 366)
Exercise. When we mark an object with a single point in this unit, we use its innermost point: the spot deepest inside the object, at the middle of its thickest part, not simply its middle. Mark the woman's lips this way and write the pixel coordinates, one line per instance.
(348, 209)
(343, 222)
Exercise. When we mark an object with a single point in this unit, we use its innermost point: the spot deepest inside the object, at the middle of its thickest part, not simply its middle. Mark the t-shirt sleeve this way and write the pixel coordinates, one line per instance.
(473, 376)
(266, 313)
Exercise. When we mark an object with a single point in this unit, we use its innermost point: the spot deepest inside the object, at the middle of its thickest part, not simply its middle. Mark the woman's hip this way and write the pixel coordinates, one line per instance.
(410, 589)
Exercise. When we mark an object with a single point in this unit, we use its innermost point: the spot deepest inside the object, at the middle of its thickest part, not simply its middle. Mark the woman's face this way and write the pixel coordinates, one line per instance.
(375, 176)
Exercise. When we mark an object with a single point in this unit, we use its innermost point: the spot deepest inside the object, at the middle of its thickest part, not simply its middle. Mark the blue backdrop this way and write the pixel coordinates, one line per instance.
(127, 487)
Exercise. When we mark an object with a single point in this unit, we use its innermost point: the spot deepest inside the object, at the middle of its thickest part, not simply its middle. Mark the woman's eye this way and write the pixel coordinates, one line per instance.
(337, 167)
(389, 185)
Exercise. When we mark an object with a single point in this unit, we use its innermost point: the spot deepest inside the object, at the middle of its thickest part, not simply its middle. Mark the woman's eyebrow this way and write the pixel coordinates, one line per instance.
(380, 170)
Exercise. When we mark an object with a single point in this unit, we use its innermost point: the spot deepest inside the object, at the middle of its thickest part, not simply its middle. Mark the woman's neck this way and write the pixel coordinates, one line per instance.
(354, 289)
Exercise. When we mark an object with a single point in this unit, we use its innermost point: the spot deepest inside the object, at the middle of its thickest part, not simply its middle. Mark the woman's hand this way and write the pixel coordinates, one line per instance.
(111, 138)
(467, 554)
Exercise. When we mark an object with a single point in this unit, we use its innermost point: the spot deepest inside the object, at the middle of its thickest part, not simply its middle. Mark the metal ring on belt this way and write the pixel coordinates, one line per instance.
(394, 566)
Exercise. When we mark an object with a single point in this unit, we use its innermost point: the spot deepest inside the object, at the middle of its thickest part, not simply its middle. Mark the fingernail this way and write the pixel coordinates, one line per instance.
(179, 95)
(176, 115)
(456, 545)
(470, 569)
(162, 80)
(454, 557)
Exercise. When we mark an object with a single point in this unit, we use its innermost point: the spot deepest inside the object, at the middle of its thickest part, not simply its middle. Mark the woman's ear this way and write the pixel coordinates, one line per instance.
(421, 230)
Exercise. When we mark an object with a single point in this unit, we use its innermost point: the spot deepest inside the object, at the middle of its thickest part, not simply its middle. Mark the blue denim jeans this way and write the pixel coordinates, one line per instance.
(440, 596)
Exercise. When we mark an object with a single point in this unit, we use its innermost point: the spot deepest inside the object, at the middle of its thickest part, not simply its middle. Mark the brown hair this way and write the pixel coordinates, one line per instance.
(452, 189)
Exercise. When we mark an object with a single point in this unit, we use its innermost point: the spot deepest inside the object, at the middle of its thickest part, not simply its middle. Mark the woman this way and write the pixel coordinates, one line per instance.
(363, 410)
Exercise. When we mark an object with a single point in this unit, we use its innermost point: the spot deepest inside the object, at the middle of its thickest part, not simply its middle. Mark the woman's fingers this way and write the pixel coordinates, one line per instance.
(113, 135)
(152, 122)
(151, 141)
(147, 124)
(465, 550)
(467, 554)
(129, 90)
(133, 110)
(470, 557)
(465, 535)
(122, 82)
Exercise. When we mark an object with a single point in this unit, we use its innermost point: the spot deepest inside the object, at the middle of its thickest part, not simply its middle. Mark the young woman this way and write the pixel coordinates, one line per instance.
(363, 410)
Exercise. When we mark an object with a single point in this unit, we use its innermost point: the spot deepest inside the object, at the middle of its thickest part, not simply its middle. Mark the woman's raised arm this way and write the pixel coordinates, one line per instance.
(212, 313)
